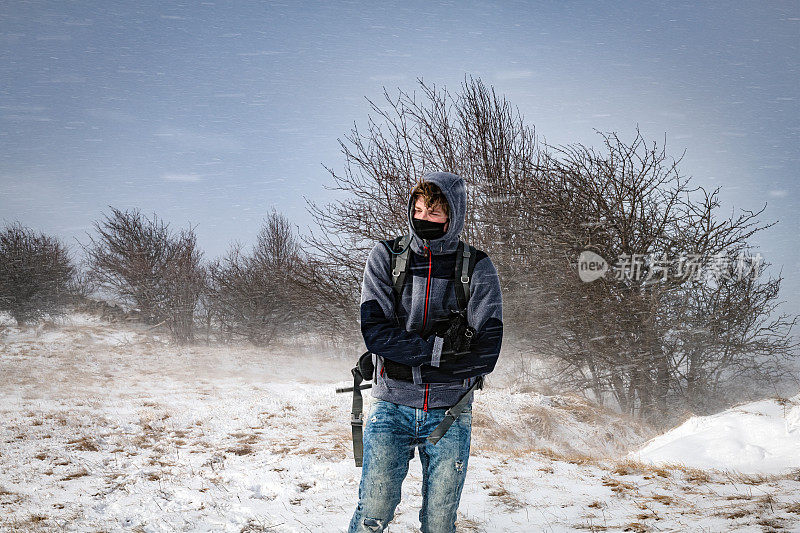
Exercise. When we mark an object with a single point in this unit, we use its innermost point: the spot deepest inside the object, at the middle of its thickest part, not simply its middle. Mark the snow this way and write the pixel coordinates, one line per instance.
(761, 437)
(109, 427)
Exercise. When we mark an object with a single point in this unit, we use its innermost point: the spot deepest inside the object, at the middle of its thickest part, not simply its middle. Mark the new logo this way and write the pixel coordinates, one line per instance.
(591, 266)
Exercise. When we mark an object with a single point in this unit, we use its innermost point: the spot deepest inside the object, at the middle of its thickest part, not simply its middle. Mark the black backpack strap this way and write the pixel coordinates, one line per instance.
(465, 264)
(400, 262)
(357, 413)
(357, 419)
(453, 413)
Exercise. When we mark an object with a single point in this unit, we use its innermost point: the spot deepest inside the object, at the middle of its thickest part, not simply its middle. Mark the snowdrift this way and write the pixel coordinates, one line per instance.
(761, 437)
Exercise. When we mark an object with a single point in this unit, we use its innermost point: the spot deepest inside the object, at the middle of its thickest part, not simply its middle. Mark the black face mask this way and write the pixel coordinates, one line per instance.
(428, 229)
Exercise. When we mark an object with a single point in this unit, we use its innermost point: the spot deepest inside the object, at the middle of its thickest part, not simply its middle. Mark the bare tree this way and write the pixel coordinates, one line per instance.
(184, 281)
(619, 334)
(140, 261)
(36, 274)
(731, 341)
(255, 296)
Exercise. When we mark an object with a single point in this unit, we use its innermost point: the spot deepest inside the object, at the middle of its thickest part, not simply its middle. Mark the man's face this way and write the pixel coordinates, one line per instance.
(434, 214)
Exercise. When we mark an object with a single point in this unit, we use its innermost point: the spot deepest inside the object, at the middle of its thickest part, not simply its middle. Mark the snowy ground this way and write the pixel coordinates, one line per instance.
(107, 427)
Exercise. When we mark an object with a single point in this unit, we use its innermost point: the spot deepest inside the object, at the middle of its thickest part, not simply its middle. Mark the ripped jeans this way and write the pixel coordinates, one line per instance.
(391, 432)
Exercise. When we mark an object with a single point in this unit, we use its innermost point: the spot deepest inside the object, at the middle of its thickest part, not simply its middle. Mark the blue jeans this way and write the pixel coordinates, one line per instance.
(391, 432)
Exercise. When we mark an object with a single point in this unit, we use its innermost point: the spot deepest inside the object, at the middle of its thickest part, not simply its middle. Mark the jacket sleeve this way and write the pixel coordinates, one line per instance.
(485, 314)
(382, 335)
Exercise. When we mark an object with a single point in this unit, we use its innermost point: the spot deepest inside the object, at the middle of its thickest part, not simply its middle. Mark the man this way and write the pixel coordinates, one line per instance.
(418, 373)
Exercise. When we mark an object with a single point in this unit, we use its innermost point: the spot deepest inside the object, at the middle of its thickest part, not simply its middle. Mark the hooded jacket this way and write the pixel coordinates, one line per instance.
(400, 333)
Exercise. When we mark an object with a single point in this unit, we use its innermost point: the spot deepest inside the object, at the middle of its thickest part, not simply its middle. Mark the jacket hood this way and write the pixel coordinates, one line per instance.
(456, 193)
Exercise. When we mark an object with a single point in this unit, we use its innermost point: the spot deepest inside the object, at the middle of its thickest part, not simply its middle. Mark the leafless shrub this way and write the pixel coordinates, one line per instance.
(36, 274)
(144, 264)
(667, 337)
(185, 280)
(256, 295)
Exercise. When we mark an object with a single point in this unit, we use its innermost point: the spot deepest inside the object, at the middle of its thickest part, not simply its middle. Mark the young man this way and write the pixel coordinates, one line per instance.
(418, 373)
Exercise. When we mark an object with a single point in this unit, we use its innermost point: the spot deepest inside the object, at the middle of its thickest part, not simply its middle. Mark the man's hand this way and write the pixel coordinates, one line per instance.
(457, 335)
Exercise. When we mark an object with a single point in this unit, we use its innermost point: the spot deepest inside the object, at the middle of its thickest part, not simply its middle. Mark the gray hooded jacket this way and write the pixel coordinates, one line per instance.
(399, 332)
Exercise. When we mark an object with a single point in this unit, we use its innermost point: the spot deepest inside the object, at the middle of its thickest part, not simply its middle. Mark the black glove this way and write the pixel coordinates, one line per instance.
(365, 366)
(457, 335)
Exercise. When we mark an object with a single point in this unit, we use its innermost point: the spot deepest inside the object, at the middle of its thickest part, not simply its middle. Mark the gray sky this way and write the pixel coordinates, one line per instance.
(212, 113)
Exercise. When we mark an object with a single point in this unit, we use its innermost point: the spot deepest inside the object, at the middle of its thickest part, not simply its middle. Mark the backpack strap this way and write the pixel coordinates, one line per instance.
(465, 264)
(453, 413)
(400, 262)
(357, 413)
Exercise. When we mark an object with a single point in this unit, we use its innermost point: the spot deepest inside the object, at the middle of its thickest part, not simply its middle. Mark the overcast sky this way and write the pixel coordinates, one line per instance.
(213, 113)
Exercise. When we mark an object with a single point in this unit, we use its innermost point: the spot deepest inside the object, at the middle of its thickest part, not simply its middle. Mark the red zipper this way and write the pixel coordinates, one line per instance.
(427, 288)
(425, 314)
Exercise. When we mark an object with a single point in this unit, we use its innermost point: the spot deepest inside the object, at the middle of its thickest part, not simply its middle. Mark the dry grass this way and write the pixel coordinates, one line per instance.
(618, 486)
(767, 501)
(84, 444)
(75, 475)
(692, 475)
(256, 525)
(772, 524)
(511, 502)
(572, 458)
(753, 479)
(783, 402)
(793, 507)
(663, 499)
(244, 449)
(468, 525)
(248, 438)
(747, 506)
(589, 527)
(629, 467)
(541, 420)
(489, 435)
(637, 527)
(735, 514)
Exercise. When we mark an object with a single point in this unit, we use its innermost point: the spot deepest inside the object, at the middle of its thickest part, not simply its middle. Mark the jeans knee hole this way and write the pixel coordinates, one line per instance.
(459, 466)
(373, 524)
